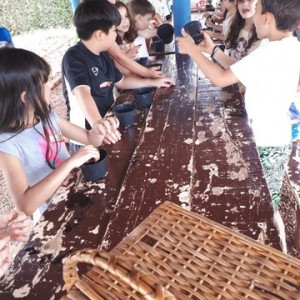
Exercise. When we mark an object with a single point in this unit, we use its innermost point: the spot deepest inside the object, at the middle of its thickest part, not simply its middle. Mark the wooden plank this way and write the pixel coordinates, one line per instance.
(160, 170)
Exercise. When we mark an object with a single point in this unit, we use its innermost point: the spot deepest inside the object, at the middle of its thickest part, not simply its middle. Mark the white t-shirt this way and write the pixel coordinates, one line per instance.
(270, 74)
(143, 51)
(226, 24)
(161, 7)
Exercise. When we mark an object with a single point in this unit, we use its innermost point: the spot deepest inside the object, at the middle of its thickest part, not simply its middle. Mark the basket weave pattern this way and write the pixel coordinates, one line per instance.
(111, 278)
(196, 258)
(193, 258)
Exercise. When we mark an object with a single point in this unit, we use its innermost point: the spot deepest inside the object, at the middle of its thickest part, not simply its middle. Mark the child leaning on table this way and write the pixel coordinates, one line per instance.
(132, 66)
(33, 155)
(270, 74)
(89, 73)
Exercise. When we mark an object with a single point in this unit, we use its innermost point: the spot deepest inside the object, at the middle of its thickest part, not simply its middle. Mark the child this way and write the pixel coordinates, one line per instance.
(229, 7)
(241, 38)
(126, 35)
(14, 226)
(33, 155)
(142, 11)
(270, 74)
(127, 65)
(89, 74)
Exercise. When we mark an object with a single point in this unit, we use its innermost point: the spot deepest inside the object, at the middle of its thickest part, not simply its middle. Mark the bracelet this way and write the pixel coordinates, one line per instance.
(214, 51)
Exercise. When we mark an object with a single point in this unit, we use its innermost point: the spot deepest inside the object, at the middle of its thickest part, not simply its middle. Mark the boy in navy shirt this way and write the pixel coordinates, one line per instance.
(89, 74)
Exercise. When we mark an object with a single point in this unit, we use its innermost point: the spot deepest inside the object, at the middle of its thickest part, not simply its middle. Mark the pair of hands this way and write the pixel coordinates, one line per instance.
(14, 226)
(186, 43)
(107, 130)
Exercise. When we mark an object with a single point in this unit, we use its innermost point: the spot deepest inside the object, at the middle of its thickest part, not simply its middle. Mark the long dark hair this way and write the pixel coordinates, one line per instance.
(23, 72)
(131, 34)
(236, 26)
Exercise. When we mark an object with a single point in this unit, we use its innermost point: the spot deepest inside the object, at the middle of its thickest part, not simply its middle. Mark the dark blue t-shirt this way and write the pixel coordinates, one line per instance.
(82, 67)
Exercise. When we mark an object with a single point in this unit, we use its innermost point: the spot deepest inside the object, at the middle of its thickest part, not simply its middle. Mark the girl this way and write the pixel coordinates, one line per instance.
(132, 45)
(241, 30)
(126, 34)
(33, 155)
(229, 8)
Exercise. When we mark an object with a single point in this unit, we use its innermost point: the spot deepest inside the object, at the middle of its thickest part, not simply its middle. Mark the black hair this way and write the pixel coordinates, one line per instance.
(92, 15)
(24, 73)
(285, 12)
(131, 34)
(236, 26)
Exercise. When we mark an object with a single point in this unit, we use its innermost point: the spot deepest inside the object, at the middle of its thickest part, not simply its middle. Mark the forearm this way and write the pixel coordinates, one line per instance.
(211, 70)
(218, 36)
(148, 33)
(134, 82)
(36, 195)
(128, 63)
(87, 104)
(223, 59)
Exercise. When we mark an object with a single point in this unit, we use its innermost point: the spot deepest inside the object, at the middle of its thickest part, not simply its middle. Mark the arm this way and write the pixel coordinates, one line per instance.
(212, 71)
(91, 113)
(213, 25)
(128, 63)
(134, 82)
(29, 198)
(222, 58)
(87, 104)
(148, 33)
(106, 128)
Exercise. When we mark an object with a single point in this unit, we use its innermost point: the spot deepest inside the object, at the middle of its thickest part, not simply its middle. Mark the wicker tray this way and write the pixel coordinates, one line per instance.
(190, 257)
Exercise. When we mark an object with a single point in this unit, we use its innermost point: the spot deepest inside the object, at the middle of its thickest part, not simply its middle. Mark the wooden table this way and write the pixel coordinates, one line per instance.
(188, 149)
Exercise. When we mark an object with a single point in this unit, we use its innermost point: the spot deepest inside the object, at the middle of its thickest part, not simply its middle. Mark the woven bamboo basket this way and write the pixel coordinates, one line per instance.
(111, 278)
(187, 256)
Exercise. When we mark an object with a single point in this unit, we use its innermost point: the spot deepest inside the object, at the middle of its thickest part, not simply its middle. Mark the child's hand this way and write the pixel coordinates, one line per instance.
(209, 23)
(5, 256)
(20, 227)
(16, 225)
(84, 154)
(207, 45)
(133, 51)
(163, 82)
(106, 130)
(154, 72)
(185, 43)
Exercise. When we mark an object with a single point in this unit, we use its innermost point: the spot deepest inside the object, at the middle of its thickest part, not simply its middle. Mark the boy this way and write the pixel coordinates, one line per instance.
(270, 75)
(88, 72)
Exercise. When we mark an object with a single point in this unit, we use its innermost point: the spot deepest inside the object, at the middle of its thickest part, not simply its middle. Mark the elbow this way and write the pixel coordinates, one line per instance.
(27, 209)
(219, 83)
